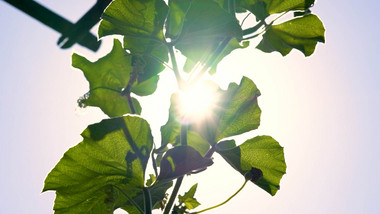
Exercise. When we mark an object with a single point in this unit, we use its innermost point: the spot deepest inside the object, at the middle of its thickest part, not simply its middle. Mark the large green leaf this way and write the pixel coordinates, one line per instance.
(203, 27)
(177, 13)
(261, 153)
(111, 158)
(140, 19)
(232, 45)
(107, 77)
(300, 33)
(241, 112)
(179, 161)
(237, 112)
(263, 8)
(141, 24)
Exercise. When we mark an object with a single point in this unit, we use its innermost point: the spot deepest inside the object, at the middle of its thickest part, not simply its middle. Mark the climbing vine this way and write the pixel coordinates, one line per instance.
(106, 171)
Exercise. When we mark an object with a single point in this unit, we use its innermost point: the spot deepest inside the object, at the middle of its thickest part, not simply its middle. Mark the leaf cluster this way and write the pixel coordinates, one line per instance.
(106, 171)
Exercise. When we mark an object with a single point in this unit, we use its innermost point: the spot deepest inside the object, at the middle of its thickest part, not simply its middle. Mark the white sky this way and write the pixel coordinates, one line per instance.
(322, 109)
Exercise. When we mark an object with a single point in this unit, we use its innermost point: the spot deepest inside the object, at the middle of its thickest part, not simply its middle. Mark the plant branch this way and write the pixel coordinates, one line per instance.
(210, 152)
(254, 28)
(175, 65)
(173, 195)
(210, 208)
(147, 201)
(132, 79)
(231, 7)
(183, 139)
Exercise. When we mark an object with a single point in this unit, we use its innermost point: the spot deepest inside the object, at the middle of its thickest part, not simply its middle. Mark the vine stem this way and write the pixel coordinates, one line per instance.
(183, 139)
(147, 201)
(175, 65)
(210, 208)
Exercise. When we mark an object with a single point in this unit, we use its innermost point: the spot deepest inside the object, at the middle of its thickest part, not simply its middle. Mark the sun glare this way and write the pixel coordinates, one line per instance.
(197, 102)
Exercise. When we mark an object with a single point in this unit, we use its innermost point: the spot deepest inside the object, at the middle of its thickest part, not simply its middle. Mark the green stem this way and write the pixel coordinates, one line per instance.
(254, 28)
(210, 152)
(175, 65)
(147, 201)
(127, 91)
(183, 139)
(231, 7)
(173, 195)
(183, 135)
(223, 201)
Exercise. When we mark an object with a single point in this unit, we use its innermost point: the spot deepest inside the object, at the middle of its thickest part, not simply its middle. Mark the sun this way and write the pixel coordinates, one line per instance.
(198, 102)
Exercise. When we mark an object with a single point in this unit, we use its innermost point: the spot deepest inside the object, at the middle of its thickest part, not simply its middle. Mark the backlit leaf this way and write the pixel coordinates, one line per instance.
(237, 112)
(299, 33)
(111, 158)
(205, 26)
(107, 77)
(141, 24)
(261, 153)
(141, 19)
(263, 8)
(233, 45)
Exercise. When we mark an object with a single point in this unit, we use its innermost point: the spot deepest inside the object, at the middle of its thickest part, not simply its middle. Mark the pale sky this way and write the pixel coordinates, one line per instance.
(323, 109)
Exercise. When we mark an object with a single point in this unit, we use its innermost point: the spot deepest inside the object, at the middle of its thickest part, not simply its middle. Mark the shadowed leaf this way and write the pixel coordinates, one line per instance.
(179, 161)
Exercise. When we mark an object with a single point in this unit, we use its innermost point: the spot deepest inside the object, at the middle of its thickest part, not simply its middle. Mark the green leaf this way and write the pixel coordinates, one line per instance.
(261, 153)
(177, 13)
(179, 161)
(188, 198)
(111, 158)
(107, 77)
(233, 44)
(241, 111)
(237, 112)
(263, 8)
(148, 56)
(111, 102)
(299, 33)
(205, 26)
(146, 87)
(140, 19)
(141, 24)
(170, 132)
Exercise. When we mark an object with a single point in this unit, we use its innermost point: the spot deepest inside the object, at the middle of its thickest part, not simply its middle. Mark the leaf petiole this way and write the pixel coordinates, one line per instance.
(210, 208)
